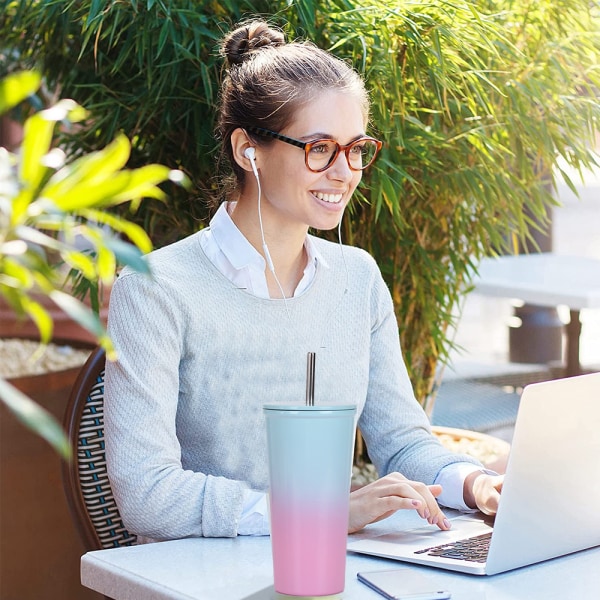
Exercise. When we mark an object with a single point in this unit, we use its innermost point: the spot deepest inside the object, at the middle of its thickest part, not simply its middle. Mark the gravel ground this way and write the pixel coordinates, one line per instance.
(27, 357)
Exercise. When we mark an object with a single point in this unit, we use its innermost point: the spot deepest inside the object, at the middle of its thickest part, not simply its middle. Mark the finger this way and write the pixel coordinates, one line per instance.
(436, 515)
(435, 490)
(365, 508)
(431, 509)
(489, 494)
(395, 493)
(493, 501)
(396, 485)
(379, 499)
(416, 494)
(425, 502)
(394, 503)
(440, 519)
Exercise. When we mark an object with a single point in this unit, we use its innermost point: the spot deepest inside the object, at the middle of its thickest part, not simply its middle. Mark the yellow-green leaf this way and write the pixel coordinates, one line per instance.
(79, 312)
(16, 87)
(41, 318)
(95, 169)
(134, 232)
(106, 264)
(37, 138)
(20, 274)
(82, 262)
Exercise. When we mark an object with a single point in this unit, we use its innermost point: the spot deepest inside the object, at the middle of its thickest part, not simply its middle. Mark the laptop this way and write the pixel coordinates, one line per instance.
(550, 497)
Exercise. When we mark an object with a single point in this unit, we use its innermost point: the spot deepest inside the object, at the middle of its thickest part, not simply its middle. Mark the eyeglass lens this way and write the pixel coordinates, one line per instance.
(322, 153)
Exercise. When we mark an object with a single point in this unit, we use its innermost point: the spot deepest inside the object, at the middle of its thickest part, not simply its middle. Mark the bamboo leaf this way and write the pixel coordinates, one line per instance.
(134, 232)
(80, 262)
(79, 312)
(127, 254)
(17, 87)
(106, 264)
(41, 318)
(96, 168)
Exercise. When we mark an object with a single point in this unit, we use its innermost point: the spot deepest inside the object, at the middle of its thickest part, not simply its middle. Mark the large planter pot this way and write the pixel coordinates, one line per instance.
(39, 546)
(491, 451)
(64, 327)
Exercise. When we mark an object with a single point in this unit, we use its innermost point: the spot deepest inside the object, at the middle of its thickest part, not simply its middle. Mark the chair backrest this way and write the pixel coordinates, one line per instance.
(85, 477)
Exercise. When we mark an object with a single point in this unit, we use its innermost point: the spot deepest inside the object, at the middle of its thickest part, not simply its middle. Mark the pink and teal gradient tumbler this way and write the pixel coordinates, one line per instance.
(310, 466)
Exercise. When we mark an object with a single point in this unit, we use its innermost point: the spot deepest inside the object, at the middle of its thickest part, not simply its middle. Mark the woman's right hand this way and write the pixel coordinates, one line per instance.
(382, 498)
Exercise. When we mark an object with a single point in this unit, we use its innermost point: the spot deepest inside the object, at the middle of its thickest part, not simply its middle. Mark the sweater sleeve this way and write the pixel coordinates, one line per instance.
(396, 430)
(156, 496)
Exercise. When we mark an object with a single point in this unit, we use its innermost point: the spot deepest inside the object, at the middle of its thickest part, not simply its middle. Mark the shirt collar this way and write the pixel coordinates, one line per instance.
(314, 256)
(231, 241)
(239, 251)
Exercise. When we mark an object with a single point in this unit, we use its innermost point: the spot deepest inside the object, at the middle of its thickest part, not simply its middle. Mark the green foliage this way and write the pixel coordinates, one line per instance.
(49, 210)
(476, 101)
(148, 69)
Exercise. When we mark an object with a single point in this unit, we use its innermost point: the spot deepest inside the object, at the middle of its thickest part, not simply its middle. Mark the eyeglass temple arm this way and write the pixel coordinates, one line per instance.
(277, 136)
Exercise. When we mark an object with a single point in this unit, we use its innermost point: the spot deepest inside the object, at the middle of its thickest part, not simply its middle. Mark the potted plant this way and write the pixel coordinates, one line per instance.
(470, 98)
(48, 204)
(41, 196)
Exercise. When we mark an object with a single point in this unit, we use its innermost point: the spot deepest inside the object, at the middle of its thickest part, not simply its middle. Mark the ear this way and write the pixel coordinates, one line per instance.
(239, 144)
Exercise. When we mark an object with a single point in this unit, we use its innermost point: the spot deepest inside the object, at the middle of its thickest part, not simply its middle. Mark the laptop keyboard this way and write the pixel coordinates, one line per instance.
(473, 549)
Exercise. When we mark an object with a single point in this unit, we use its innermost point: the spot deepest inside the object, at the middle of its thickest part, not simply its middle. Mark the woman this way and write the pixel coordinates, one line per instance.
(224, 324)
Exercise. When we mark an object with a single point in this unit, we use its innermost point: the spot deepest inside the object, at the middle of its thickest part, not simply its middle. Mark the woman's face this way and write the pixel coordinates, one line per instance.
(292, 195)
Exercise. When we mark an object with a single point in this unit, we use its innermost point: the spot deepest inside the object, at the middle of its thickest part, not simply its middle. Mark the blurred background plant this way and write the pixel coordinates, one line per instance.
(477, 102)
(53, 214)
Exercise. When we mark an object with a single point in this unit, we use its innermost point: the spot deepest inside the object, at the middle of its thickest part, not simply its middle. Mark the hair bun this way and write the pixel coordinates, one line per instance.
(241, 43)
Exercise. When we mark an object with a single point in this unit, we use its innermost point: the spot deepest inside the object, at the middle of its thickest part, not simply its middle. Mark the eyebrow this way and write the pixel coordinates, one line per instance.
(327, 136)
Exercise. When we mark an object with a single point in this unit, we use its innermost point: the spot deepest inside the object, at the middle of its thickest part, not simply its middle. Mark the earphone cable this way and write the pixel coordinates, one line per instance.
(339, 228)
(264, 241)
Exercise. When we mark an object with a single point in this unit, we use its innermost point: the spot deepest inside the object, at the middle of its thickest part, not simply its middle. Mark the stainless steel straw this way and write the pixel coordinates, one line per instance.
(310, 379)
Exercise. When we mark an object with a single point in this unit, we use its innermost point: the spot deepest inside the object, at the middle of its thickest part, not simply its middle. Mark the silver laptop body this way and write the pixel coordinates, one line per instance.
(551, 492)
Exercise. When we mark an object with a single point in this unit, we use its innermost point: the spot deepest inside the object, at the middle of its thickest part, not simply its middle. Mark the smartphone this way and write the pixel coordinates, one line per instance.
(403, 584)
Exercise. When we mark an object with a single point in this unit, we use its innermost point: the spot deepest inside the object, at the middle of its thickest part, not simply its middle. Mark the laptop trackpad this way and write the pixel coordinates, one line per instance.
(423, 537)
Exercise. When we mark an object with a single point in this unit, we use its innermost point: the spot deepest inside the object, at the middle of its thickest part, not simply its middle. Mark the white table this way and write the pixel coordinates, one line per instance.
(546, 279)
(241, 569)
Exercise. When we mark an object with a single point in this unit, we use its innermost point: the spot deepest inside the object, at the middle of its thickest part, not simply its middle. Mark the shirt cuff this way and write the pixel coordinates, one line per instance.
(255, 514)
(452, 479)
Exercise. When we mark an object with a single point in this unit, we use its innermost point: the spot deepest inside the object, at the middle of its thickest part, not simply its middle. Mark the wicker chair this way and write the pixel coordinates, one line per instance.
(85, 477)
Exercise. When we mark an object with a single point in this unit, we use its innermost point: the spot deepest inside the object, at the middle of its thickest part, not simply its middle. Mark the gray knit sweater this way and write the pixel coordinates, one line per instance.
(199, 357)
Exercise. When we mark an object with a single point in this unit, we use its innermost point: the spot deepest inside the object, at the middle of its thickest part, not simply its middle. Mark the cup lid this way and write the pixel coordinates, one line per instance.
(305, 408)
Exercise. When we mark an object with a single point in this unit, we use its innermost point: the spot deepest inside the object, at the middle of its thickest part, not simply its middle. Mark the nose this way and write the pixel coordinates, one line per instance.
(340, 169)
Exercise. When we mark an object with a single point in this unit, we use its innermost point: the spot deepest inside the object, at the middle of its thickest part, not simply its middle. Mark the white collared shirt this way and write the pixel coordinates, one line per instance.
(237, 259)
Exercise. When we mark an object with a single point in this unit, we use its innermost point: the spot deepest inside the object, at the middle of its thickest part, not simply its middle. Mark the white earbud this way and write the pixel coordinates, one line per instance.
(250, 154)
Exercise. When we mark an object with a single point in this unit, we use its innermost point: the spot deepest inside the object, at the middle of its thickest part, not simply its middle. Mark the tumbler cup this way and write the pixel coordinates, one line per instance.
(310, 465)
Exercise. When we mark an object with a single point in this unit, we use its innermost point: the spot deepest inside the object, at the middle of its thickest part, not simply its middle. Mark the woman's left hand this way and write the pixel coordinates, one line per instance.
(482, 491)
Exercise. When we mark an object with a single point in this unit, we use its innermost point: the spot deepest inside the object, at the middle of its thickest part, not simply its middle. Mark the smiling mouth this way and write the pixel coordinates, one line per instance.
(329, 198)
